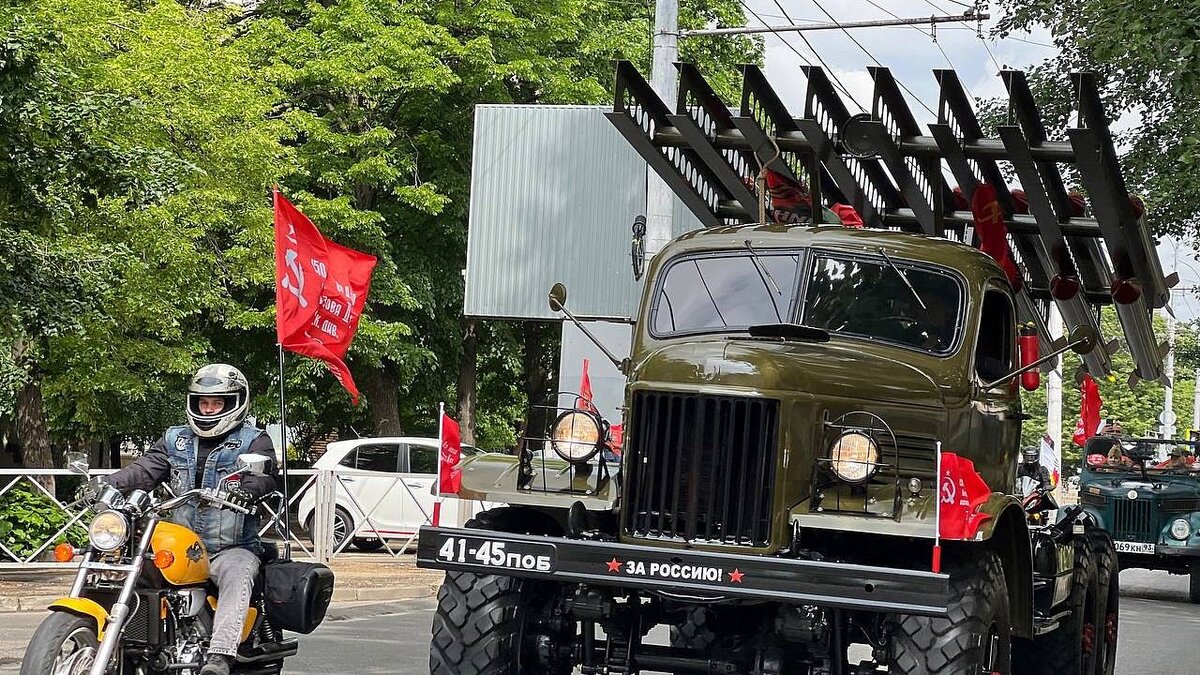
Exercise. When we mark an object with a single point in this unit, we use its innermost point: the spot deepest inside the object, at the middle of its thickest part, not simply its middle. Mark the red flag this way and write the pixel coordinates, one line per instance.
(961, 493)
(1089, 411)
(449, 475)
(585, 392)
(993, 233)
(848, 215)
(320, 290)
(616, 438)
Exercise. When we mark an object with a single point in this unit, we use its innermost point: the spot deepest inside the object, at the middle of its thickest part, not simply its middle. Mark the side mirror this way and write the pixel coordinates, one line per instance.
(558, 297)
(78, 463)
(252, 463)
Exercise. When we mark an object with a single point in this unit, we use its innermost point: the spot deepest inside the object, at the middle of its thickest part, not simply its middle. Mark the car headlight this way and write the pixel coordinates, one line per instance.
(108, 531)
(576, 436)
(1181, 529)
(854, 457)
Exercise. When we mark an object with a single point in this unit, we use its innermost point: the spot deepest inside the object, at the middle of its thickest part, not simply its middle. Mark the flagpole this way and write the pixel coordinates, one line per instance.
(437, 503)
(937, 512)
(287, 519)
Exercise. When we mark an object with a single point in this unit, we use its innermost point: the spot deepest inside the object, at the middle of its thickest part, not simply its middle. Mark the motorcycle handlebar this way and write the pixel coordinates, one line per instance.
(205, 495)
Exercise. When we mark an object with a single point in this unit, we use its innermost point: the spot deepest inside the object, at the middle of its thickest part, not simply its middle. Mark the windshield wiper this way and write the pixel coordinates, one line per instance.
(903, 277)
(762, 270)
(789, 331)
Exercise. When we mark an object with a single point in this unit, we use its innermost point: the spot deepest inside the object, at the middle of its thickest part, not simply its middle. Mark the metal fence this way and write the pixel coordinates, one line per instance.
(320, 492)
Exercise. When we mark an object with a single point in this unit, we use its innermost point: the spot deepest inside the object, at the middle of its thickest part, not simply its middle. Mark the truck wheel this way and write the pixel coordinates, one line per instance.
(486, 624)
(1069, 649)
(974, 638)
(696, 631)
(1109, 598)
(1194, 586)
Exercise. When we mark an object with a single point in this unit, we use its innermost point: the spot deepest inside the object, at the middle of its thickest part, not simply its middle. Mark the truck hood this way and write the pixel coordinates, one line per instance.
(831, 369)
(1159, 485)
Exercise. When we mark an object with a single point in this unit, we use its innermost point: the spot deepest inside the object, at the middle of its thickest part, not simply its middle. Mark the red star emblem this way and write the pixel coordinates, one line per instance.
(735, 577)
(614, 565)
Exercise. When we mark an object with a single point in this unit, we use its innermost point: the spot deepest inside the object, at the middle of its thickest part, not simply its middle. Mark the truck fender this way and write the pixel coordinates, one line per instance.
(1007, 534)
(85, 607)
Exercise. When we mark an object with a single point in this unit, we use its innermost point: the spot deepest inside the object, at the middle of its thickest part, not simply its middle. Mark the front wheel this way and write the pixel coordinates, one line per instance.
(1194, 586)
(65, 644)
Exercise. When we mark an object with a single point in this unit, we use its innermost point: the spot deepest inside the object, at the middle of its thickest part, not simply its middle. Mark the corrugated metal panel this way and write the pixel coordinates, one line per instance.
(554, 191)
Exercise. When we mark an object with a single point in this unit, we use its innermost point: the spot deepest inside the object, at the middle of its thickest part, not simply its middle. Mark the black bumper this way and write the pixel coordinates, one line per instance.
(685, 574)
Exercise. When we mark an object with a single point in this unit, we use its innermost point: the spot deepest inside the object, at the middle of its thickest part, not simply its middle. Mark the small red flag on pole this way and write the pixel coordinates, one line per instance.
(449, 455)
(320, 290)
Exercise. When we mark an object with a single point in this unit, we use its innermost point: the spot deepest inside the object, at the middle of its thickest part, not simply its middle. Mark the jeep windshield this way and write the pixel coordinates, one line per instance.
(866, 297)
(1119, 454)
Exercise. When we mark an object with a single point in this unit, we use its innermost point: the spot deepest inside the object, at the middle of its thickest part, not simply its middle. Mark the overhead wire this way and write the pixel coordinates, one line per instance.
(837, 81)
(872, 57)
(931, 35)
(978, 34)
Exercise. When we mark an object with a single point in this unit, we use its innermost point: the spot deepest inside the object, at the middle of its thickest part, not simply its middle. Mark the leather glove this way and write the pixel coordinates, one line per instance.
(90, 489)
(238, 497)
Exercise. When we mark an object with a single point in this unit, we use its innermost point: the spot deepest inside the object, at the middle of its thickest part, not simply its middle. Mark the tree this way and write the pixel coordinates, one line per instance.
(1148, 55)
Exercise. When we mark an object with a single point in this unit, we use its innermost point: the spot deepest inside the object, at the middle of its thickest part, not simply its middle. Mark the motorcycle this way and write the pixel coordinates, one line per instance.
(142, 602)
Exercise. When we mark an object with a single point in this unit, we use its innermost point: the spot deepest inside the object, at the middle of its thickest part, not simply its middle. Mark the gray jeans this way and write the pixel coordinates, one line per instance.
(233, 571)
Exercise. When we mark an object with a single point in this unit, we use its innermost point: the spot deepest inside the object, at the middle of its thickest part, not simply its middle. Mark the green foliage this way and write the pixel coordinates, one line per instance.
(28, 518)
(1148, 55)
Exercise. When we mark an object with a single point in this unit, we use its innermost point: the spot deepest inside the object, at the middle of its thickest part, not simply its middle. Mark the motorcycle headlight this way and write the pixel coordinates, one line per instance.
(854, 457)
(1181, 529)
(108, 531)
(576, 436)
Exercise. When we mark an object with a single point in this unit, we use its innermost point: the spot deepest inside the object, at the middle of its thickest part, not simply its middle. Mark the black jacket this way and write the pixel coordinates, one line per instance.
(154, 468)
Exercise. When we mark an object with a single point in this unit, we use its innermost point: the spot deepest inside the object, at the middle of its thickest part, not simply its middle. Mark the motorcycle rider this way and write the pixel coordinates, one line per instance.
(1031, 468)
(201, 454)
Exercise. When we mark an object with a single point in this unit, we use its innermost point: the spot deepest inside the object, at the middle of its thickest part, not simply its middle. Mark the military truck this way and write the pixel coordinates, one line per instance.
(796, 393)
(1146, 493)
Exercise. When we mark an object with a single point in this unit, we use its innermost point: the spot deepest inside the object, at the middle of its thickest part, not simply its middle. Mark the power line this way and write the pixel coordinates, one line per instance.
(872, 56)
(837, 80)
(977, 34)
(931, 35)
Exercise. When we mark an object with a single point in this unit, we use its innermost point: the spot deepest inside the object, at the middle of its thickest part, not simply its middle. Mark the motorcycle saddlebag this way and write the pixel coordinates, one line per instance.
(296, 594)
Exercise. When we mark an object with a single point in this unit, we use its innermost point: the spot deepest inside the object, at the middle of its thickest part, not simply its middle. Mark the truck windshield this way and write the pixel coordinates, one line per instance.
(1117, 454)
(729, 292)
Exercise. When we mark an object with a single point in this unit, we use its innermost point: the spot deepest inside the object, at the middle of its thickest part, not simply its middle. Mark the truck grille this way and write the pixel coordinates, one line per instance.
(1133, 520)
(701, 468)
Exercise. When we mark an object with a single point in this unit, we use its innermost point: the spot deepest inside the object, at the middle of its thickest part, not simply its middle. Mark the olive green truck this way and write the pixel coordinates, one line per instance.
(794, 392)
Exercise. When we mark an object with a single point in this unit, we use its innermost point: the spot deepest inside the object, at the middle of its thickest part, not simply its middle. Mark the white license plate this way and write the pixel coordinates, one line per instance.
(1134, 547)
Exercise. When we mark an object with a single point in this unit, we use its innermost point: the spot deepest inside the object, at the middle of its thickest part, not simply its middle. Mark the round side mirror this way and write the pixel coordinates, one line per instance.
(855, 139)
(1084, 339)
(558, 297)
(78, 463)
(252, 463)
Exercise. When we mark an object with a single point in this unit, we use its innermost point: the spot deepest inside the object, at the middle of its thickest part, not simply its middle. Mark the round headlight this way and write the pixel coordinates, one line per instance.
(1181, 529)
(854, 457)
(108, 531)
(576, 436)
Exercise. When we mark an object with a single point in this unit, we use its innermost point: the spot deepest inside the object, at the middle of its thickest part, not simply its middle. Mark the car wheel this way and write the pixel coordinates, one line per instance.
(368, 544)
(342, 526)
(1194, 587)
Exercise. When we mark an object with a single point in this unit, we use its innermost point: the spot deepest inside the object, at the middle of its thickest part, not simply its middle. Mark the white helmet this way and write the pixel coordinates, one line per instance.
(225, 382)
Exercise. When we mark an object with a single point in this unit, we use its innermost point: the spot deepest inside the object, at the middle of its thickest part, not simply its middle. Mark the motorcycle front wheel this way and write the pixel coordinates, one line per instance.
(65, 644)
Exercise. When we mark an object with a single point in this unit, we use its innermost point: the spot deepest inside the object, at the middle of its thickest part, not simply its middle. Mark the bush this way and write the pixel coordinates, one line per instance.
(28, 517)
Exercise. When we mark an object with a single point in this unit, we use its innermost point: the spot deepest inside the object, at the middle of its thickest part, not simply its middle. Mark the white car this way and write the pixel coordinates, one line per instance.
(391, 479)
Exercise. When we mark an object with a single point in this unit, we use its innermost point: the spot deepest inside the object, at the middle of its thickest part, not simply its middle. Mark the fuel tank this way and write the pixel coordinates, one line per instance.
(190, 564)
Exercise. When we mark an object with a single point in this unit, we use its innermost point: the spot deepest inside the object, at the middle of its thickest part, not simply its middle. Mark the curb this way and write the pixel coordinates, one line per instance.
(39, 603)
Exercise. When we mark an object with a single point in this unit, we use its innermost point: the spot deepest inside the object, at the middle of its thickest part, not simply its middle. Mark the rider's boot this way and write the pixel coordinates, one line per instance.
(216, 664)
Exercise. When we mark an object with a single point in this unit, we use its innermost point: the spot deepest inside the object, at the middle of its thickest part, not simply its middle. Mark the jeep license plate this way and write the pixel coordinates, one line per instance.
(484, 552)
(1134, 547)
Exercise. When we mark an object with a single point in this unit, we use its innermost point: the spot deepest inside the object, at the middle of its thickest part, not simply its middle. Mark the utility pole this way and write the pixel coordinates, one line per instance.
(1167, 418)
(659, 198)
(1054, 390)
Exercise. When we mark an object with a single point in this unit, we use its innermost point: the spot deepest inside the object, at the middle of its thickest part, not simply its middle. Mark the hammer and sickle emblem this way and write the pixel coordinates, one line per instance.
(948, 491)
(296, 287)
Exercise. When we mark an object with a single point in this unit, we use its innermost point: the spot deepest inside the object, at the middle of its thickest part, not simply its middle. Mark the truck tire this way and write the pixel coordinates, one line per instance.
(975, 638)
(1108, 615)
(1194, 586)
(1070, 648)
(480, 626)
(695, 632)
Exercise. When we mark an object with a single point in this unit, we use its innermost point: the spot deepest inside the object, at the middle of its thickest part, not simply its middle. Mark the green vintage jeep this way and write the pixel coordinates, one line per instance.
(798, 396)
(1151, 508)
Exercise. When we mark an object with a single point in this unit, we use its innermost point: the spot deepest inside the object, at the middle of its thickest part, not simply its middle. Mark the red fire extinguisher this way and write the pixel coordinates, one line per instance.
(1030, 379)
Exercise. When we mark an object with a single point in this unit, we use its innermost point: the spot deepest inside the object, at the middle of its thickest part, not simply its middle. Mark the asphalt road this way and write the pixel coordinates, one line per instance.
(1159, 634)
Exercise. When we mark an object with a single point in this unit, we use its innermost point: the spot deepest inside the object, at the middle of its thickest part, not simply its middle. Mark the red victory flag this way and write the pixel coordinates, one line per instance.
(449, 475)
(992, 232)
(320, 290)
(1089, 411)
(585, 392)
(961, 493)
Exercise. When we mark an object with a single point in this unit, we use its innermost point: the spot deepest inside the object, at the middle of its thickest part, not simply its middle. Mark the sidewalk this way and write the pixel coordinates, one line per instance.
(357, 577)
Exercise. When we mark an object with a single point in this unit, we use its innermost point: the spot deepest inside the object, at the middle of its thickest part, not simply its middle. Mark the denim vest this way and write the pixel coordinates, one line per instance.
(218, 528)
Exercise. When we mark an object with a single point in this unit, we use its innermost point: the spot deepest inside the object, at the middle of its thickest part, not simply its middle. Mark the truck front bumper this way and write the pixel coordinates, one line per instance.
(685, 575)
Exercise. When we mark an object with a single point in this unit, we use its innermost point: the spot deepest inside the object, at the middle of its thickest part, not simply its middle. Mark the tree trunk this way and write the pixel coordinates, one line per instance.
(466, 382)
(30, 416)
(383, 397)
(539, 372)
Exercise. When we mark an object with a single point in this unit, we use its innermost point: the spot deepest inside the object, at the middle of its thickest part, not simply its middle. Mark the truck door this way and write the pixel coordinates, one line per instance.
(996, 411)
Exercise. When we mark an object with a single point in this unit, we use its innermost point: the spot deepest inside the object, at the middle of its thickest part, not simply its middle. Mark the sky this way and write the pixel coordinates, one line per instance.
(912, 54)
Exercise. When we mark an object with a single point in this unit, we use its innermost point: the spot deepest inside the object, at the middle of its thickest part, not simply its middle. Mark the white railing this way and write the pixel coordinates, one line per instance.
(329, 490)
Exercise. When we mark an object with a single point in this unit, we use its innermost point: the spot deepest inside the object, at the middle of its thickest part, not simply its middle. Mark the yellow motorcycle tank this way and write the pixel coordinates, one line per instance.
(190, 559)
